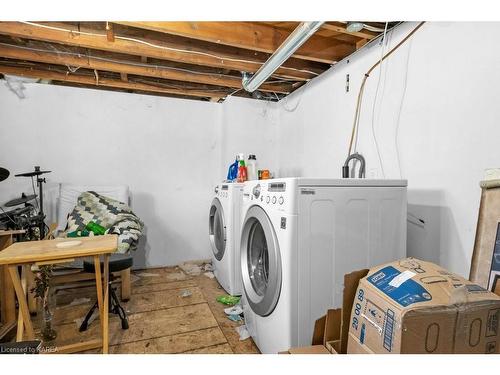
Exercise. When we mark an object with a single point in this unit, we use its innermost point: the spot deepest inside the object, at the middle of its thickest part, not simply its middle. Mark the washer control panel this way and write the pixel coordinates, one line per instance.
(268, 194)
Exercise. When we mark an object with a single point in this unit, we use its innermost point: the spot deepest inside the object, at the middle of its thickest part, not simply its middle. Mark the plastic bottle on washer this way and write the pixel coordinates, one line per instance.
(252, 168)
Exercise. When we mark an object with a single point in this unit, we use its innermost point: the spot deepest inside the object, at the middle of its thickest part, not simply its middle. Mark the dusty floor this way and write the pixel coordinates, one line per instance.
(161, 320)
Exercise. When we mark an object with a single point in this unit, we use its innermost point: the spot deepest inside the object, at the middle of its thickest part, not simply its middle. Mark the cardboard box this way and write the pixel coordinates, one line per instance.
(485, 266)
(412, 306)
(331, 330)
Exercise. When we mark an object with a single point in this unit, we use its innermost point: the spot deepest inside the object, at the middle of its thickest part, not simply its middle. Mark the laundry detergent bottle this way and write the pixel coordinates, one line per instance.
(242, 171)
(232, 172)
(252, 168)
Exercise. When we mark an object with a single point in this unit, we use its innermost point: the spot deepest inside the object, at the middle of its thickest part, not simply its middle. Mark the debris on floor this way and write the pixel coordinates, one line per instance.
(209, 274)
(235, 318)
(234, 310)
(195, 268)
(208, 267)
(228, 300)
(243, 332)
(186, 293)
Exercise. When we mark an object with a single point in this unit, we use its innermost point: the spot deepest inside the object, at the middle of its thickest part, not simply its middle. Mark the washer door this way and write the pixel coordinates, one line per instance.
(217, 229)
(260, 262)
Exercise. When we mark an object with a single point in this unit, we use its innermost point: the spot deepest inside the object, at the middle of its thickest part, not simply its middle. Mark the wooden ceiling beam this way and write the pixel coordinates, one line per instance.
(342, 28)
(97, 39)
(124, 67)
(253, 36)
(106, 82)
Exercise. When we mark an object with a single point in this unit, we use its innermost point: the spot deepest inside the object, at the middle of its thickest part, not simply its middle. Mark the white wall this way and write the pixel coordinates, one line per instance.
(437, 100)
(169, 152)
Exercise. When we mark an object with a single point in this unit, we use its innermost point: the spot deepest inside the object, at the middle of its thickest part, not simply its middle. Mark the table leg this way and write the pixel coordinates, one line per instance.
(23, 306)
(20, 323)
(98, 285)
(105, 319)
(8, 294)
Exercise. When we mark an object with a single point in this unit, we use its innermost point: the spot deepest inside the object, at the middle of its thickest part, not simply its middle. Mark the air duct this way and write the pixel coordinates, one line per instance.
(298, 37)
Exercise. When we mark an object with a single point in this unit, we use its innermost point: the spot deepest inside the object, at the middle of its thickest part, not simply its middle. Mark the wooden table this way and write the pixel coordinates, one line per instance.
(7, 294)
(46, 252)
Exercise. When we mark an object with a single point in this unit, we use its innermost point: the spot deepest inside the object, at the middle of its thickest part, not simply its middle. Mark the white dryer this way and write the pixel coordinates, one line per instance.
(299, 237)
(224, 231)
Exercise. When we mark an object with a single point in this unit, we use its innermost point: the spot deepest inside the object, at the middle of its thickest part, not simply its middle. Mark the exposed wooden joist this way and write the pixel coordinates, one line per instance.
(252, 36)
(52, 57)
(342, 28)
(161, 50)
(106, 82)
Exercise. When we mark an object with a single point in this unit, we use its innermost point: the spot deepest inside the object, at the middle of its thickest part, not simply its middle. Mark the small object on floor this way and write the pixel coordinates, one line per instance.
(209, 274)
(234, 310)
(228, 300)
(186, 293)
(235, 318)
(243, 332)
(208, 267)
(191, 268)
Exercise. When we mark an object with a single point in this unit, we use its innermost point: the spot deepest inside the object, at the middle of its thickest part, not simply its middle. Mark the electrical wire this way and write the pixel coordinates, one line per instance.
(377, 148)
(162, 47)
(363, 83)
(398, 120)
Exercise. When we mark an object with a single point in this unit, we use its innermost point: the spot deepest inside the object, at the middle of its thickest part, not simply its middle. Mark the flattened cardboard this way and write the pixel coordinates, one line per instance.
(412, 306)
(485, 265)
(351, 281)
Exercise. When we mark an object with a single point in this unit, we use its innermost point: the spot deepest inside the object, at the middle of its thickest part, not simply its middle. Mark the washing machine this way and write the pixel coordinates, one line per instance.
(224, 232)
(299, 237)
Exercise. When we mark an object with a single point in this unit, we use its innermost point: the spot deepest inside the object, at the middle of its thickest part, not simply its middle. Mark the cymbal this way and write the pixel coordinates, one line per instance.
(4, 173)
(24, 199)
(32, 174)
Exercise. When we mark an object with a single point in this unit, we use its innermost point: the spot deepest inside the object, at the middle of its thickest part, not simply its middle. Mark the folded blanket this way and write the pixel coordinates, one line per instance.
(115, 216)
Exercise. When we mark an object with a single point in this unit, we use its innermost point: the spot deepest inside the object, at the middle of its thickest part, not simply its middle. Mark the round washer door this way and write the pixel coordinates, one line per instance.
(260, 262)
(217, 229)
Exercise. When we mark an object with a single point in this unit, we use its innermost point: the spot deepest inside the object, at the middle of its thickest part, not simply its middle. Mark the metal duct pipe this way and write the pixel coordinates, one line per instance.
(298, 37)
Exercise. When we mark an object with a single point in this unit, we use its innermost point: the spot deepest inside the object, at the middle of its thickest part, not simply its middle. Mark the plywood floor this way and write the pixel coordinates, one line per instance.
(161, 320)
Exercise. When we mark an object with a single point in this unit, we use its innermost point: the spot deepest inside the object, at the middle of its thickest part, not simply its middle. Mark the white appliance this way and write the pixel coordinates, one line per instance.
(224, 230)
(299, 237)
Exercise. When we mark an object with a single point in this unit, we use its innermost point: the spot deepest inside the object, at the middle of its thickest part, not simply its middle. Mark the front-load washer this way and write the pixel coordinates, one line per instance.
(299, 237)
(224, 232)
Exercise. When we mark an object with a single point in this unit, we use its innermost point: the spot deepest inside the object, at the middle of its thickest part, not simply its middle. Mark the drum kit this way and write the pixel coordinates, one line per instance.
(27, 211)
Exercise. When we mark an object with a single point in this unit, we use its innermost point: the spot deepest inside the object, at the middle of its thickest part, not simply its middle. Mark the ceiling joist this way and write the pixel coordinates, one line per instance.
(124, 67)
(96, 39)
(105, 82)
(252, 36)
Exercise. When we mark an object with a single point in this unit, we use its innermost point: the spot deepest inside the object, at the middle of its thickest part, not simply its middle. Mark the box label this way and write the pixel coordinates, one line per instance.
(405, 293)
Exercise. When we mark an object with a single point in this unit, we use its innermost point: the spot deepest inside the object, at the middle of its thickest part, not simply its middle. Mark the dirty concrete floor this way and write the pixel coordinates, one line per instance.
(161, 319)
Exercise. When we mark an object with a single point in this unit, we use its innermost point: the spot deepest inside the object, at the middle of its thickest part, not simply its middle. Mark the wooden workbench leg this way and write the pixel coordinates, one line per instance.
(125, 284)
(9, 297)
(100, 295)
(23, 306)
(20, 319)
(105, 318)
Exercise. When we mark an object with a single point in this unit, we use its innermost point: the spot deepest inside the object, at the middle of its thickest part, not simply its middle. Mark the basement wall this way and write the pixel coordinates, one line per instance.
(170, 152)
(436, 110)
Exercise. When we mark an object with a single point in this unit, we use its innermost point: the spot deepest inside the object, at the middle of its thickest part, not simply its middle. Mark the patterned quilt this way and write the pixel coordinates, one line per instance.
(115, 216)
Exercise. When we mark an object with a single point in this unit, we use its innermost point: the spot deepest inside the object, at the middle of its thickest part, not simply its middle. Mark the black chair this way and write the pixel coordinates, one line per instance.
(117, 263)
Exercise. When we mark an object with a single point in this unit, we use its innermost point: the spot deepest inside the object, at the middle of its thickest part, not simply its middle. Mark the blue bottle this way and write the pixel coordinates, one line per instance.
(232, 172)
